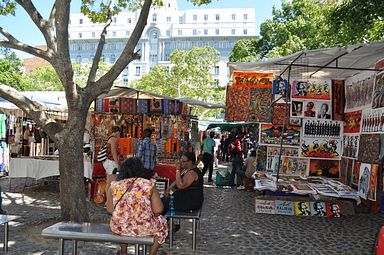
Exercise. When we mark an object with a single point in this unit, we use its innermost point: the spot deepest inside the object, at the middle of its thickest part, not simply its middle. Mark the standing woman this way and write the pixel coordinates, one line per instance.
(113, 151)
(135, 205)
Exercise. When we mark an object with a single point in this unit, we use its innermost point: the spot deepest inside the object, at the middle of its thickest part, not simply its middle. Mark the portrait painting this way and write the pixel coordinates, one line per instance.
(364, 179)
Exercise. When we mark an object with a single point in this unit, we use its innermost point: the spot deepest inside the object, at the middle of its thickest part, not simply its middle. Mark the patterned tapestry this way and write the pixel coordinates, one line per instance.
(358, 94)
(346, 167)
(237, 105)
(279, 114)
(325, 168)
(373, 182)
(378, 92)
(338, 99)
(155, 106)
(143, 106)
(352, 122)
(252, 79)
(128, 105)
(260, 105)
(369, 148)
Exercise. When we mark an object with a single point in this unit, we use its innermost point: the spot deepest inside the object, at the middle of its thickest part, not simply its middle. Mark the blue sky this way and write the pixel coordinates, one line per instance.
(24, 30)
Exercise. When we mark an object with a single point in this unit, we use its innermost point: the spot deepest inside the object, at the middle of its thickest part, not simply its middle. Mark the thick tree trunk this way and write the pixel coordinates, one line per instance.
(74, 205)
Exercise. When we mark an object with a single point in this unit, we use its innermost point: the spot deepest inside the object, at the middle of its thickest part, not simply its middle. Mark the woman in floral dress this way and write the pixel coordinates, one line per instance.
(135, 205)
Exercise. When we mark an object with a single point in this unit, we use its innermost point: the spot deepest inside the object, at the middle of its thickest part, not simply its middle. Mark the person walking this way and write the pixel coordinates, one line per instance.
(147, 153)
(208, 149)
(237, 159)
(112, 163)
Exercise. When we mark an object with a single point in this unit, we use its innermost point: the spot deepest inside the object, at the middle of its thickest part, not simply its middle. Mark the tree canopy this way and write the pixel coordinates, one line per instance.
(11, 72)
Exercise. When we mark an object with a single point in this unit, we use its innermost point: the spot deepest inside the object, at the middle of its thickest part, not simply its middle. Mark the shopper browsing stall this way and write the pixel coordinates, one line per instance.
(208, 151)
(113, 151)
(147, 153)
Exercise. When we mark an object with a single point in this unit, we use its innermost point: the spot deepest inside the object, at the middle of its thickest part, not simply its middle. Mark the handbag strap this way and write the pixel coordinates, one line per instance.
(128, 189)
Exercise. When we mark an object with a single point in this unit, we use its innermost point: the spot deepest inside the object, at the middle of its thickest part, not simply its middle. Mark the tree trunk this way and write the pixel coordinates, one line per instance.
(74, 206)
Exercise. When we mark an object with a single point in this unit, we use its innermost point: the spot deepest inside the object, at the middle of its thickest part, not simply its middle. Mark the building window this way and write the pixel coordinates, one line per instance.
(181, 20)
(216, 83)
(78, 59)
(79, 48)
(137, 71)
(125, 81)
(168, 19)
(194, 32)
(154, 17)
(93, 34)
(205, 31)
(112, 59)
(125, 72)
(81, 21)
(194, 17)
(217, 16)
(154, 58)
(245, 31)
(180, 32)
(80, 35)
(205, 17)
(129, 20)
(217, 31)
(114, 19)
(114, 34)
(217, 70)
(154, 34)
(245, 16)
(233, 16)
(127, 33)
(233, 31)
(168, 32)
(112, 46)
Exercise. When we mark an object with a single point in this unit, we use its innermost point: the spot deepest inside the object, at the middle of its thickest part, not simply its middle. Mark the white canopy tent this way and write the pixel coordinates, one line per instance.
(335, 63)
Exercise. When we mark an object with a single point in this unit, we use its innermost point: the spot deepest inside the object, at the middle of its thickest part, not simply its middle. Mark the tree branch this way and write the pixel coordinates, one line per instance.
(44, 26)
(128, 55)
(13, 43)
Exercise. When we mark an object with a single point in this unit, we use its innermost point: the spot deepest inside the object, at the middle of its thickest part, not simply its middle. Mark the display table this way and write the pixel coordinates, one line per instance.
(39, 168)
(166, 170)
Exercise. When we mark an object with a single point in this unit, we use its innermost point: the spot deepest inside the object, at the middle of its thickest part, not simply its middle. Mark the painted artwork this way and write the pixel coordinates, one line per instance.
(311, 89)
(284, 207)
(355, 173)
(369, 148)
(288, 165)
(237, 104)
(265, 206)
(323, 110)
(346, 168)
(358, 94)
(252, 80)
(302, 208)
(279, 87)
(364, 178)
(294, 121)
(373, 182)
(334, 209)
(318, 208)
(260, 105)
(372, 121)
(325, 168)
(321, 128)
(309, 109)
(338, 99)
(351, 145)
(327, 148)
(270, 134)
(297, 109)
(352, 122)
(378, 92)
(286, 151)
(280, 112)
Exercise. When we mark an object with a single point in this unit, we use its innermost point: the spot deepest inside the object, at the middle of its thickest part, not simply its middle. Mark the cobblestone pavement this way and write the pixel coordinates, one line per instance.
(228, 225)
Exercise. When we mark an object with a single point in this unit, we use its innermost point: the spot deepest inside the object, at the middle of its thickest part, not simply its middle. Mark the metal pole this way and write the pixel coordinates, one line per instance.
(5, 237)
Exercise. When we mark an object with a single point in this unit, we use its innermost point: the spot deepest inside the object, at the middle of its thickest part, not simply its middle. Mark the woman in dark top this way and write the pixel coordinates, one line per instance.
(187, 189)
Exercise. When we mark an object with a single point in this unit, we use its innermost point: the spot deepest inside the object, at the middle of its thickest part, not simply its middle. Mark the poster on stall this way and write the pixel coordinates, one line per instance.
(252, 80)
(351, 145)
(338, 99)
(273, 164)
(323, 110)
(355, 173)
(352, 122)
(279, 87)
(271, 135)
(260, 105)
(364, 178)
(311, 89)
(318, 208)
(327, 148)
(373, 182)
(295, 166)
(369, 148)
(334, 209)
(378, 92)
(346, 168)
(372, 121)
(322, 128)
(284, 207)
(286, 151)
(358, 94)
(237, 104)
(325, 168)
(265, 206)
(302, 208)
(297, 109)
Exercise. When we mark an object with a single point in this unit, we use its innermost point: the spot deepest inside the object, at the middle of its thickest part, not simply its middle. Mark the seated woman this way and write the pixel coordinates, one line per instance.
(250, 168)
(135, 205)
(187, 189)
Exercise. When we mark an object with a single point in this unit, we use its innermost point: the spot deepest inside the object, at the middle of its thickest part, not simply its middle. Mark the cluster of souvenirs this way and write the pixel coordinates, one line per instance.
(318, 136)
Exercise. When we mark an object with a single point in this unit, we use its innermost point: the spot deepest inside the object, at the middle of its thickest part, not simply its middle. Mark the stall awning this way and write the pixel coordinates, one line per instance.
(200, 103)
(224, 126)
(335, 63)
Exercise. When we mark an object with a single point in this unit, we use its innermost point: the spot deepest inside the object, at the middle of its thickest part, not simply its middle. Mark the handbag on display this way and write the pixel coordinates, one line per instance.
(102, 154)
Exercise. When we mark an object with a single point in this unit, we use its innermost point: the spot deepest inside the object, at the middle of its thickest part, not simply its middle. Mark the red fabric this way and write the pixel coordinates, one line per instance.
(98, 170)
(166, 170)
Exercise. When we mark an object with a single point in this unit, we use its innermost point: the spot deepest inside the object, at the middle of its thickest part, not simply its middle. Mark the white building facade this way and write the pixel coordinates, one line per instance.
(167, 29)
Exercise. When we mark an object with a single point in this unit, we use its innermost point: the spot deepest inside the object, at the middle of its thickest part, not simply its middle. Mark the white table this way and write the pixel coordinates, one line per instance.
(39, 168)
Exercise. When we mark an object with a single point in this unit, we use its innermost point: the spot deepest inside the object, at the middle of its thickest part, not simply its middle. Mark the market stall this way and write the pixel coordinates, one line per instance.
(320, 114)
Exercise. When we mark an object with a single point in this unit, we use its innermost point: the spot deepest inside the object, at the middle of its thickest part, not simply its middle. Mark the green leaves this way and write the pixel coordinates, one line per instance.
(7, 7)
(11, 70)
